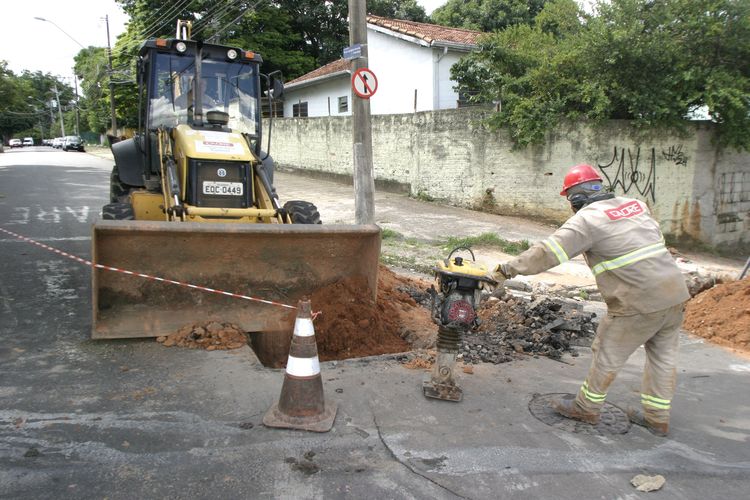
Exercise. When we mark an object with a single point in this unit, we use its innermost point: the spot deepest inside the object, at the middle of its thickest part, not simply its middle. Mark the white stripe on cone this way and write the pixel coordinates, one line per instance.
(303, 327)
(303, 367)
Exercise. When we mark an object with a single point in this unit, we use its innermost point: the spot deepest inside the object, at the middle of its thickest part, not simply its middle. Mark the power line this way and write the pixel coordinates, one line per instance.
(155, 26)
(218, 32)
(217, 15)
(159, 23)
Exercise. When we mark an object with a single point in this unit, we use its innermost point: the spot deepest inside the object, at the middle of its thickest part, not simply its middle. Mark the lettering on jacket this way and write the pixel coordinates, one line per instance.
(629, 209)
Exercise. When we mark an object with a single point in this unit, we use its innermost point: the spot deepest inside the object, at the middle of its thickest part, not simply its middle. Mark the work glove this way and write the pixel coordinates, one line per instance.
(500, 274)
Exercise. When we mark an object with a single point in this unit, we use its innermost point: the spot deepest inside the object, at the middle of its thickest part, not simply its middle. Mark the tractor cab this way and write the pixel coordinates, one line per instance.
(200, 85)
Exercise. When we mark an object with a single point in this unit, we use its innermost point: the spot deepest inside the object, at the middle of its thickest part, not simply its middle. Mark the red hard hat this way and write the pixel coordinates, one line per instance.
(578, 175)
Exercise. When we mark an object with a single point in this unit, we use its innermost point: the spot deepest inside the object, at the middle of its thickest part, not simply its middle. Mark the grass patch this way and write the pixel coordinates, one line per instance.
(488, 240)
(408, 262)
(390, 234)
(422, 196)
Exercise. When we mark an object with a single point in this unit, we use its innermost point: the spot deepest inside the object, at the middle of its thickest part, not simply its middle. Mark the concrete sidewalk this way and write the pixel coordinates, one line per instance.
(431, 222)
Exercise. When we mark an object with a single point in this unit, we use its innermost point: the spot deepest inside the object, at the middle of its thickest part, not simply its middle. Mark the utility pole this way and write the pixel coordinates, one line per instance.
(364, 183)
(78, 119)
(59, 110)
(111, 85)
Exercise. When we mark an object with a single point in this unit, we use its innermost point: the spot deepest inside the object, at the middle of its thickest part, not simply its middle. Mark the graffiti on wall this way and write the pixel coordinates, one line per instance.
(675, 154)
(631, 173)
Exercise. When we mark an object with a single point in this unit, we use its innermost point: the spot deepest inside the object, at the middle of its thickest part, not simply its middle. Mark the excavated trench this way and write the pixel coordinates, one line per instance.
(351, 325)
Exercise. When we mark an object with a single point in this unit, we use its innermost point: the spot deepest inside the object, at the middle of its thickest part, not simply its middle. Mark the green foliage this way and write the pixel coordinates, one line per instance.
(390, 234)
(423, 196)
(488, 240)
(408, 10)
(28, 104)
(91, 68)
(486, 15)
(648, 61)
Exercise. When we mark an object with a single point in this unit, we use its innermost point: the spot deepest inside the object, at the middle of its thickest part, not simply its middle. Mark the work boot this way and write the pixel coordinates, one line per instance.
(637, 417)
(568, 407)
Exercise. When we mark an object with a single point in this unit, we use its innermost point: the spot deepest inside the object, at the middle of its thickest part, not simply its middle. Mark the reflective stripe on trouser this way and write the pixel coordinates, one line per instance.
(616, 339)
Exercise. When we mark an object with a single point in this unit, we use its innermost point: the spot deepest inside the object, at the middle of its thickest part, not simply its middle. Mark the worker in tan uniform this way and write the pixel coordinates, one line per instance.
(638, 279)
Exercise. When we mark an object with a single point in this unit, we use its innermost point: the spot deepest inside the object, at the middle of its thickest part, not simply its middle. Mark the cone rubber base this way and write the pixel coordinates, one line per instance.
(315, 423)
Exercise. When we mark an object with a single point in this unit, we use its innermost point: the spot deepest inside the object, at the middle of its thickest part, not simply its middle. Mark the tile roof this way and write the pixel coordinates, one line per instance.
(430, 33)
(338, 66)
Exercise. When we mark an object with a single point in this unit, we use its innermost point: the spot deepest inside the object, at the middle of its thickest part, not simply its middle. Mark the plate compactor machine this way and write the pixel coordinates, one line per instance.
(193, 201)
(454, 310)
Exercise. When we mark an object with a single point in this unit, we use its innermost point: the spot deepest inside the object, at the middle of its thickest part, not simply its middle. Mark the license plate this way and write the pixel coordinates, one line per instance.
(222, 188)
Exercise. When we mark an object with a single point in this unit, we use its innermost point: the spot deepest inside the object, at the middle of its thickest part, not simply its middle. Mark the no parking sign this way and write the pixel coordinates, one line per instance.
(364, 83)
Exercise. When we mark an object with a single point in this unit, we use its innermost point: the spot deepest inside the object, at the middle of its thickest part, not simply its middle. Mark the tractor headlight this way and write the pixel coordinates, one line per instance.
(232, 54)
(180, 47)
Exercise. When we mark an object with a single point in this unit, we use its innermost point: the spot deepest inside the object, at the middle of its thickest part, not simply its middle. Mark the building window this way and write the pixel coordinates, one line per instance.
(277, 105)
(299, 109)
(343, 104)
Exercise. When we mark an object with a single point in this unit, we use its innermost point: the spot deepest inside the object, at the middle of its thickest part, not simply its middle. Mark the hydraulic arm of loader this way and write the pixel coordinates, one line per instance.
(278, 262)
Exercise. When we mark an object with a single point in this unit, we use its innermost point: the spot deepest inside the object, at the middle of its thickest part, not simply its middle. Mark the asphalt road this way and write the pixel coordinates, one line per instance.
(132, 419)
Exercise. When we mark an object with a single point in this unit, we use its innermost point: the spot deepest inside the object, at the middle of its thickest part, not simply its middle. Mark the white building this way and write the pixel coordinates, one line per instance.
(411, 61)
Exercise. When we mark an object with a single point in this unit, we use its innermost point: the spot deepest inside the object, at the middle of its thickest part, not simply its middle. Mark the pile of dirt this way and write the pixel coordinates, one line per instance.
(722, 314)
(351, 324)
(511, 326)
(210, 336)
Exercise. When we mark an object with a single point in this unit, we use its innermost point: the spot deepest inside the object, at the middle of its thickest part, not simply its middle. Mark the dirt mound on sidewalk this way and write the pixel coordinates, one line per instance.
(722, 315)
(352, 325)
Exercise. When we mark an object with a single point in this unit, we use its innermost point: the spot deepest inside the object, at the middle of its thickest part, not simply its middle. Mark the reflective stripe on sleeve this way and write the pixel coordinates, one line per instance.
(629, 258)
(302, 367)
(653, 401)
(556, 249)
(592, 396)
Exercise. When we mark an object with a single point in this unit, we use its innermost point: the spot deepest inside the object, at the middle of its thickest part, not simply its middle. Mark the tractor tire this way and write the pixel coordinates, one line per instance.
(118, 211)
(302, 212)
(118, 190)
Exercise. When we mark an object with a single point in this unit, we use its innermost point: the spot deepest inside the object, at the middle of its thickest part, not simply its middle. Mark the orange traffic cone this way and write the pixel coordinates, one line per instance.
(301, 404)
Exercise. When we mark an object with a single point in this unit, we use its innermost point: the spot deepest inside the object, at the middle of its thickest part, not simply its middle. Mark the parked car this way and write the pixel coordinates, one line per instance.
(72, 142)
(28, 141)
(57, 142)
(15, 143)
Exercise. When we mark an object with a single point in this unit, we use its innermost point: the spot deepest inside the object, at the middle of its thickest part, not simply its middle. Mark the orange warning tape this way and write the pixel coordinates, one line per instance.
(146, 276)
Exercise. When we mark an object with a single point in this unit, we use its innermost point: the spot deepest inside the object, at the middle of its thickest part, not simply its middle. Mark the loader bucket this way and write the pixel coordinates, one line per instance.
(276, 262)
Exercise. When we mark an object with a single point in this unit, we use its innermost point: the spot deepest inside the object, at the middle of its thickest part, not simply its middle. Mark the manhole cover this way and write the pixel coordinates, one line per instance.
(612, 421)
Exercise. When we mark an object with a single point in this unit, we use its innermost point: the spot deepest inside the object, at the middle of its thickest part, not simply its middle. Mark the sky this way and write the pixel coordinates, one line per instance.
(26, 43)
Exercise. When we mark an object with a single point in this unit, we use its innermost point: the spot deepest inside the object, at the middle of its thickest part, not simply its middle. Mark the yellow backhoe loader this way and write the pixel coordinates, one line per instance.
(192, 200)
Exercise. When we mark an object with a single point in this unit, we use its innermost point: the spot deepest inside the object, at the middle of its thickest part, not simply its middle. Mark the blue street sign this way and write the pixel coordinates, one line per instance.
(353, 52)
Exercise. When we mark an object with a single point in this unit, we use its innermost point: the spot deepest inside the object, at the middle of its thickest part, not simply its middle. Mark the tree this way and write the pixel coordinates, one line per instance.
(91, 68)
(486, 15)
(26, 102)
(408, 10)
(648, 61)
(16, 113)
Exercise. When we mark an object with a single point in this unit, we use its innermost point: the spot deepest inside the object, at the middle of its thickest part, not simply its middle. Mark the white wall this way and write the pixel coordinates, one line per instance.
(401, 67)
(445, 96)
(317, 97)
(449, 155)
